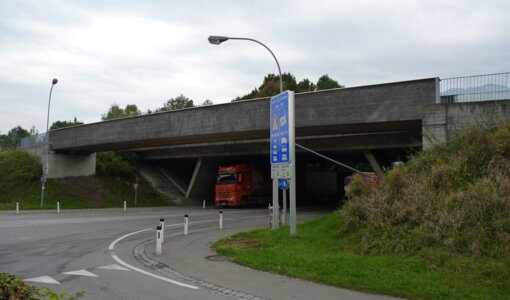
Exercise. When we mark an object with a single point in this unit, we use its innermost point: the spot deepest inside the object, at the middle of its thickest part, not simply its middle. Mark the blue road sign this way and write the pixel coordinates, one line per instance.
(279, 128)
(43, 179)
(283, 184)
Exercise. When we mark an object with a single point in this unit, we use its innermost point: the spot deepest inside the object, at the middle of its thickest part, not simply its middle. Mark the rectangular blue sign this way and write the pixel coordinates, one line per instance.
(279, 128)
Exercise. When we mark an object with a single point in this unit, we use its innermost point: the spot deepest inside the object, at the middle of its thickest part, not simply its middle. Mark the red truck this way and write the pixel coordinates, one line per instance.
(242, 186)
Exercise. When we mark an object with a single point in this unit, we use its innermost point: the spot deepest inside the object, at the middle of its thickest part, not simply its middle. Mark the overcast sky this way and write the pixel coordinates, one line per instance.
(146, 52)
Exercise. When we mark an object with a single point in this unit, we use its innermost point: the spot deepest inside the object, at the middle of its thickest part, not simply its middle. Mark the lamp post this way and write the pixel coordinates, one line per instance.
(216, 40)
(47, 146)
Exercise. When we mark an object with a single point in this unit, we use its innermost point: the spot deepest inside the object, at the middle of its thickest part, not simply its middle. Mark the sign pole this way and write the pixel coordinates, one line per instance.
(275, 204)
(292, 192)
(293, 179)
(282, 149)
(284, 212)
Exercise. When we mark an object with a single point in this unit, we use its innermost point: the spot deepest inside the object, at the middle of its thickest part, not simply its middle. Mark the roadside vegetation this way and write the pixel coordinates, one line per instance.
(14, 288)
(20, 182)
(435, 228)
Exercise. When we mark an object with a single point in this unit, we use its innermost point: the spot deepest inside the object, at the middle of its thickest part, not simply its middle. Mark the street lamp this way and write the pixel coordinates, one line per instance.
(216, 40)
(47, 146)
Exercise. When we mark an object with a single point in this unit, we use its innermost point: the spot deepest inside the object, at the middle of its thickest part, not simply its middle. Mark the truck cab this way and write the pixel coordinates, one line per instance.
(234, 186)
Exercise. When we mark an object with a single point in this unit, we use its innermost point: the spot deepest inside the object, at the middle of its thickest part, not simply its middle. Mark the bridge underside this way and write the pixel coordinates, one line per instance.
(195, 165)
(338, 137)
(323, 143)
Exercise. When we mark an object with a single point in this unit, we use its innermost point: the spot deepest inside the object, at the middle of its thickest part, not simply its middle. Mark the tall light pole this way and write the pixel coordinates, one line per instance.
(47, 146)
(216, 40)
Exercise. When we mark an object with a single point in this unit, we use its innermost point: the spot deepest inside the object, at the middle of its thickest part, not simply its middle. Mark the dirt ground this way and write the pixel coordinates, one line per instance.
(88, 189)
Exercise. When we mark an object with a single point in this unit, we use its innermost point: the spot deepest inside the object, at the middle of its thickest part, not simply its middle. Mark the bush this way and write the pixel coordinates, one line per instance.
(116, 163)
(16, 167)
(14, 288)
(453, 197)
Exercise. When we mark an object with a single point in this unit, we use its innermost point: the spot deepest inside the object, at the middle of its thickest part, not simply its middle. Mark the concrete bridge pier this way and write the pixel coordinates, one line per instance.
(203, 179)
(66, 165)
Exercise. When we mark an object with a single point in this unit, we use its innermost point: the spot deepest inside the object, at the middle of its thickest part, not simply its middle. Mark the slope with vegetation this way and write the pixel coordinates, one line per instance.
(20, 182)
(435, 228)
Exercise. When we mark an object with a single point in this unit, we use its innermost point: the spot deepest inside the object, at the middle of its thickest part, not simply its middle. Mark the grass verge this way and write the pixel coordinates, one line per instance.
(81, 192)
(322, 254)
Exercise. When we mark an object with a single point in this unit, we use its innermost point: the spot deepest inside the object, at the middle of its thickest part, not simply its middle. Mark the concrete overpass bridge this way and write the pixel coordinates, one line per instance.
(375, 123)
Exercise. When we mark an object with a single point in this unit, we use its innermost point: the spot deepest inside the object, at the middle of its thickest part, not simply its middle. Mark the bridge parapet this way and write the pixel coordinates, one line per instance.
(374, 108)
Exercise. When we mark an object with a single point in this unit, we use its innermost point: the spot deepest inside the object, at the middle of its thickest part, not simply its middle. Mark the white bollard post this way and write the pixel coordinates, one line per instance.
(221, 219)
(125, 206)
(162, 224)
(185, 224)
(58, 207)
(203, 204)
(17, 208)
(158, 240)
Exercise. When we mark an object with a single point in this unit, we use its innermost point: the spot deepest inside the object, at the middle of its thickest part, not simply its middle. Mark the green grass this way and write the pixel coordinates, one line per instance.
(106, 191)
(321, 254)
(19, 182)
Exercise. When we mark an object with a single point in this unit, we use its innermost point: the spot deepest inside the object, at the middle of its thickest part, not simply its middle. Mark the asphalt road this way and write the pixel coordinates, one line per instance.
(110, 254)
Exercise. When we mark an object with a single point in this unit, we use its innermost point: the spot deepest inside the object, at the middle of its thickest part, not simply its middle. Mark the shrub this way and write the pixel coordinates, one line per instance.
(18, 166)
(453, 197)
(116, 163)
(14, 288)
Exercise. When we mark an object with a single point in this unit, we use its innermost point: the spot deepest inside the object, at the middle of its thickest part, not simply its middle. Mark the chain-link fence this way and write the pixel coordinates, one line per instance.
(36, 140)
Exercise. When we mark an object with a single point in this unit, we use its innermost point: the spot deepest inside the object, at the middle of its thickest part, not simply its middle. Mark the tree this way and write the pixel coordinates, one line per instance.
(116, 112)
(271, 86)
(325, 83)
(63, 124)
(251, 95)
(12, 139)
(207, 102)
(179, 102)
(132, 110)
(33, 131)
(305, 85)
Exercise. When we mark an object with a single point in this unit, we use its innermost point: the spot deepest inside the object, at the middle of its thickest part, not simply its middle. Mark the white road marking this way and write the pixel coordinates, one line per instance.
(81, 273)
(153, 275)
(43, 279)
(120, 261)
(114, 267)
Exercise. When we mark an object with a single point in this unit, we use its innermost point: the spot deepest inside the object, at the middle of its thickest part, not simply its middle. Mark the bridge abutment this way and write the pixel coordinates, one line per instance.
(66, 165)
(443, 121)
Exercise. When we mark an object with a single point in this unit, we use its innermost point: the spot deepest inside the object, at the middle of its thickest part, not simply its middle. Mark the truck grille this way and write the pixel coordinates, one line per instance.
(223, 193)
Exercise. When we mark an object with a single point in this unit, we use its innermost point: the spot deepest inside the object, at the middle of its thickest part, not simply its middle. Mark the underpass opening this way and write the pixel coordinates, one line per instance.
(320, 183)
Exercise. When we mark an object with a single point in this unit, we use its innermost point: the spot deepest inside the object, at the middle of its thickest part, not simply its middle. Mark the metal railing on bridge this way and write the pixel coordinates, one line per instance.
(32, 141)
(475, 88)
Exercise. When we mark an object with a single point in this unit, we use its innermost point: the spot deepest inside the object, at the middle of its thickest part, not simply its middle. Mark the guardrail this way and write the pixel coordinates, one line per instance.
(475, 88)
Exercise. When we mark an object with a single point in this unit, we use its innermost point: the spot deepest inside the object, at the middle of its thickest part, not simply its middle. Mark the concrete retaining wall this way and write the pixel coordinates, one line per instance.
(442, 121)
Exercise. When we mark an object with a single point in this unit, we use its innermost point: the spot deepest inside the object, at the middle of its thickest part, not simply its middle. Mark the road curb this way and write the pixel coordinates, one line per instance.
(139, 253)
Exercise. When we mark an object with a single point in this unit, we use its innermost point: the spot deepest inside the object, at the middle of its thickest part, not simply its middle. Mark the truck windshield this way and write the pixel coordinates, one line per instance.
(226, 178)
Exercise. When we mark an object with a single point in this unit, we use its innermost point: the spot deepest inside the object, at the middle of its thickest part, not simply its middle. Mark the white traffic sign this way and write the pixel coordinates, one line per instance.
(281, 171)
